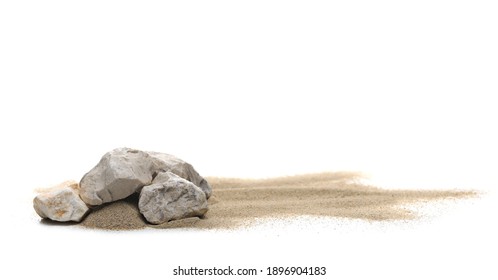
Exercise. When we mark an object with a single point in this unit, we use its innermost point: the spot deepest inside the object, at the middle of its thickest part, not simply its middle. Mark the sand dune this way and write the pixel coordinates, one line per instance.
(238, 202)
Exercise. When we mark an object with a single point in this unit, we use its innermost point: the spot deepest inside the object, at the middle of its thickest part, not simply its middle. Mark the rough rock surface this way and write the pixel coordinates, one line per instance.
(61, 203)
(123, 171)
(164, 162)
(119, 174)
(171, 197)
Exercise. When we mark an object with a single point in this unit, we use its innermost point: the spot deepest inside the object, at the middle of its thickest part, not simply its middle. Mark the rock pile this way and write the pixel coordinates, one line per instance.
(170, 188)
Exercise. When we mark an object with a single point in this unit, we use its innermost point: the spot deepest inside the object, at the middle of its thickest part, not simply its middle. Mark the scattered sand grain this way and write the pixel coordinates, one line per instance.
(238, 202)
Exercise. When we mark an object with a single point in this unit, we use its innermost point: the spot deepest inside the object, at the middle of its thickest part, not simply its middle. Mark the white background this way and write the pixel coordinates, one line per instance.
(401, 90)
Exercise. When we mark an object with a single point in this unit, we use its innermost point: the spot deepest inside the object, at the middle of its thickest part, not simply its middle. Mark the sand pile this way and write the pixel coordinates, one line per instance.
(238, 202)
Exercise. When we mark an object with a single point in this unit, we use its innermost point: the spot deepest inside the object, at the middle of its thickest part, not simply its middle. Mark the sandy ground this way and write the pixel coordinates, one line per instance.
(239, 202)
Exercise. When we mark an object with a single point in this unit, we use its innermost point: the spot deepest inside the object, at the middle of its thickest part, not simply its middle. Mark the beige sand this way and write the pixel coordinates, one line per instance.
(238, 202)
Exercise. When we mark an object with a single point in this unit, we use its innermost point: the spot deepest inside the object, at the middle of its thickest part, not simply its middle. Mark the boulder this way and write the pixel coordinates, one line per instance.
(171, 197)
(120, 173)
(162, 162)
(123, 171)
(61, 203)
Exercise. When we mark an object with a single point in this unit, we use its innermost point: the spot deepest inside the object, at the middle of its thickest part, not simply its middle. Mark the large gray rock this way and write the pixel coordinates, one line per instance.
(163, 162)
(171, 197)
(120, 173)
(61, 203)
(123, 171)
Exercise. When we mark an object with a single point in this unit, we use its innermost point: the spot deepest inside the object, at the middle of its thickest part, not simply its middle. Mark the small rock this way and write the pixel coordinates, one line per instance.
(120, 173)
(171, 197)
(61, 203)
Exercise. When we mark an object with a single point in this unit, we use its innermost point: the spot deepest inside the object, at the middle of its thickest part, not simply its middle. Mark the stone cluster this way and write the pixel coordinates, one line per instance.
(170, 188)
